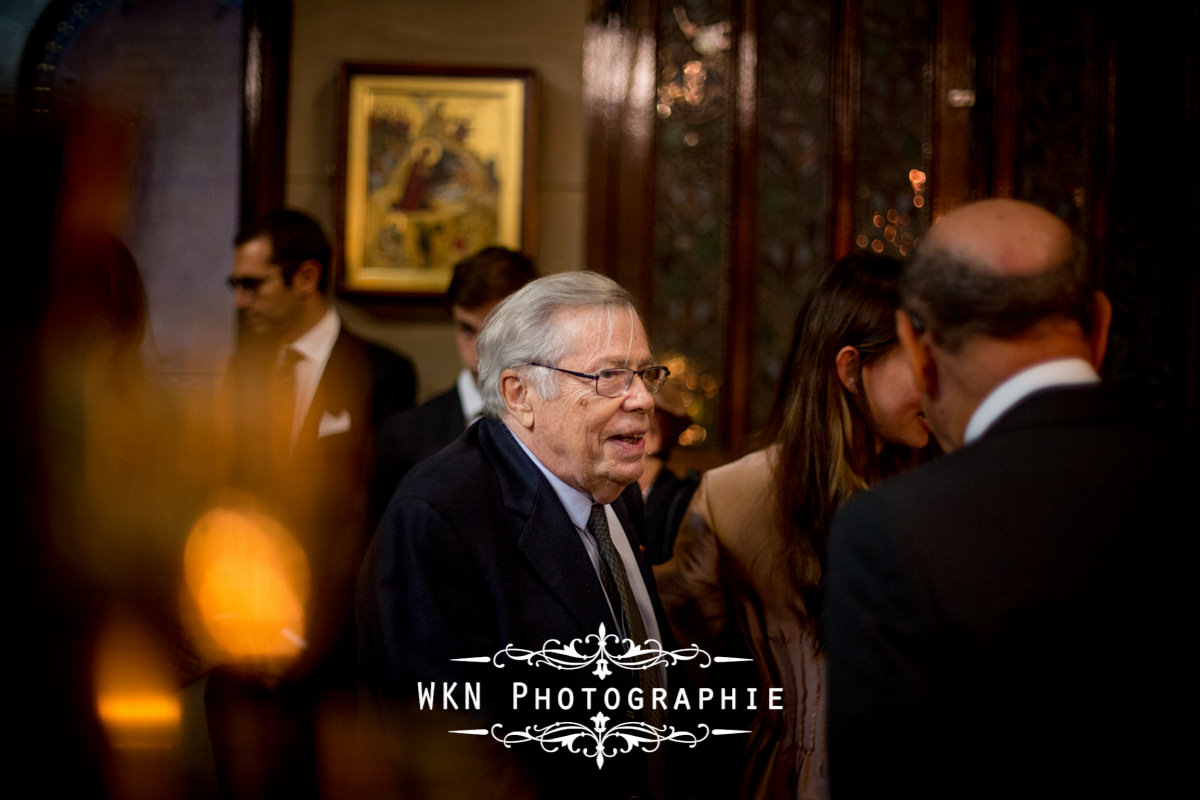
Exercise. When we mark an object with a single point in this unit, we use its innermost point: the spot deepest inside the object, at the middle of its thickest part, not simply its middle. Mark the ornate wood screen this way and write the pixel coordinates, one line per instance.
(737, 147)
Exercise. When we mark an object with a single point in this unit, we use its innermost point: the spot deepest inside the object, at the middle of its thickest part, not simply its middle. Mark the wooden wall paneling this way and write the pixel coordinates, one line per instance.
(844, 97)
(267, 45)
(619, 85)
(1001, 138)
(739, 347)
(955, 96)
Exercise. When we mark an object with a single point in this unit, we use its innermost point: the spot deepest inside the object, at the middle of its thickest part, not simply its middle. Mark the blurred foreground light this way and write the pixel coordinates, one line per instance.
(249, 580)
(695, 434)
(136, 700)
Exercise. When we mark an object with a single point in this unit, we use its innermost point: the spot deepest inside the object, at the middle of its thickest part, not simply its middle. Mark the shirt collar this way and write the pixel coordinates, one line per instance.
(1059, 372)
(316, 343)
(577, 504)
(469, 397)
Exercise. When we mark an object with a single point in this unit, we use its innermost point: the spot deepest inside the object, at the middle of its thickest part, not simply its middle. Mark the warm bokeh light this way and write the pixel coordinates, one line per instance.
(698, 392)
(248, 579)
(894, 223)
(136, 700)
(133, 712)
(695, 434)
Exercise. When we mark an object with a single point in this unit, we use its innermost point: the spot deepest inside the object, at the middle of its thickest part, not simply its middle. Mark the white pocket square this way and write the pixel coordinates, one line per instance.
(332, 424)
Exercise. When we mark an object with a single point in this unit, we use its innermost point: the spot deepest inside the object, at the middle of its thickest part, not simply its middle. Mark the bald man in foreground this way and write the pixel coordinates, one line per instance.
(1002, 622)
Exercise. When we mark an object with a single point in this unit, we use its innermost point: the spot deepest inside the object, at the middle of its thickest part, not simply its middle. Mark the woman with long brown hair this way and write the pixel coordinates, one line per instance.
(749, 563)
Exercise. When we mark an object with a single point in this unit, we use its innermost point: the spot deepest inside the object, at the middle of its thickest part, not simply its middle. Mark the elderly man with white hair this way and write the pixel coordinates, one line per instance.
(525, 532)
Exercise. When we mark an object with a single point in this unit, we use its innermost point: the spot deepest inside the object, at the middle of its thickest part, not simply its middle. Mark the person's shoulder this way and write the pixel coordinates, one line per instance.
(463, 475)
(929, 488)
(419, 419)
(472, 488)
(407, 437)
(914, 503)
(376, 353)
(383, 357)
(448, 466)
(737, 477)
(392, 373)
(446, 404)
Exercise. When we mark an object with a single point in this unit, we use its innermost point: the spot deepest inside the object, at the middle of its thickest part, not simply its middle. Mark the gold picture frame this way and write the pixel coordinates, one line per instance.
(434, 164)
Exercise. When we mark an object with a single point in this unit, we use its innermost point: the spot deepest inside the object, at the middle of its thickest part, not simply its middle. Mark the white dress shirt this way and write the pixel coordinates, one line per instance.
(469, 398)
(1060, 372)
(579, 507)
(314, 347)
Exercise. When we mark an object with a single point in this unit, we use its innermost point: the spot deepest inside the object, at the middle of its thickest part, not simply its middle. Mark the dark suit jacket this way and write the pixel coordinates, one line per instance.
(319, 491)
(474, 553)
(666, 507)
(409, 437)
(997, 618)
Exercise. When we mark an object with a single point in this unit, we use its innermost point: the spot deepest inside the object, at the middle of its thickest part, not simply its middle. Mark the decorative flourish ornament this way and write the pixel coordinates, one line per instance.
(602, 649)
(599, 742)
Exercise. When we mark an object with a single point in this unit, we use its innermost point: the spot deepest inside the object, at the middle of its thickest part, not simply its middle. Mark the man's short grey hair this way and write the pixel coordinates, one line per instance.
(522, 331)
(955, 300)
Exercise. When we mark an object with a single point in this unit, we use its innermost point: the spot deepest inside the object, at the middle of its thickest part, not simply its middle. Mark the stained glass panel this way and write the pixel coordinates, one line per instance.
(793, 178)
(892, 208)
(693, 200)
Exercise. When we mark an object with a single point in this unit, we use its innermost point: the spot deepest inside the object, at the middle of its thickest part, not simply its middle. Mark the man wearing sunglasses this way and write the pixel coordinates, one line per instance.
(526, 530)
(303, 395)
(280, 281)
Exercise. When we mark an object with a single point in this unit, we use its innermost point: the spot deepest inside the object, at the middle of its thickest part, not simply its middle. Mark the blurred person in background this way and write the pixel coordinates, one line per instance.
(478, 285)
(302, 398)
(749, 564)
(666, 494)
(110, 475)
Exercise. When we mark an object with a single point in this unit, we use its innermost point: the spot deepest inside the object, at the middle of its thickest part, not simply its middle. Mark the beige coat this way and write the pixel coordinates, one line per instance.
(730, 567)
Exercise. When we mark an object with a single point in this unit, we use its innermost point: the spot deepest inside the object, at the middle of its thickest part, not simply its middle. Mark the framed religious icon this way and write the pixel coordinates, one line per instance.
(434, 164)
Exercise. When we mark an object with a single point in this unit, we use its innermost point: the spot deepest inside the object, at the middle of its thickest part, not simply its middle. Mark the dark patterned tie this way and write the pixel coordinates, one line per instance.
(283, 401)
(616, 586)
(614, 579)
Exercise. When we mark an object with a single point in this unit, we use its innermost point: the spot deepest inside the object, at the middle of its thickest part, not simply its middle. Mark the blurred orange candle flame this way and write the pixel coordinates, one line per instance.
(249, 580)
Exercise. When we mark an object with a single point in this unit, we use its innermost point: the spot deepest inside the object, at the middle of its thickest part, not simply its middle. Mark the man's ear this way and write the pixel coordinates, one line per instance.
(920, 359)
(1101, 320)
(517, 396)
(846, 362)
(307, 278)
